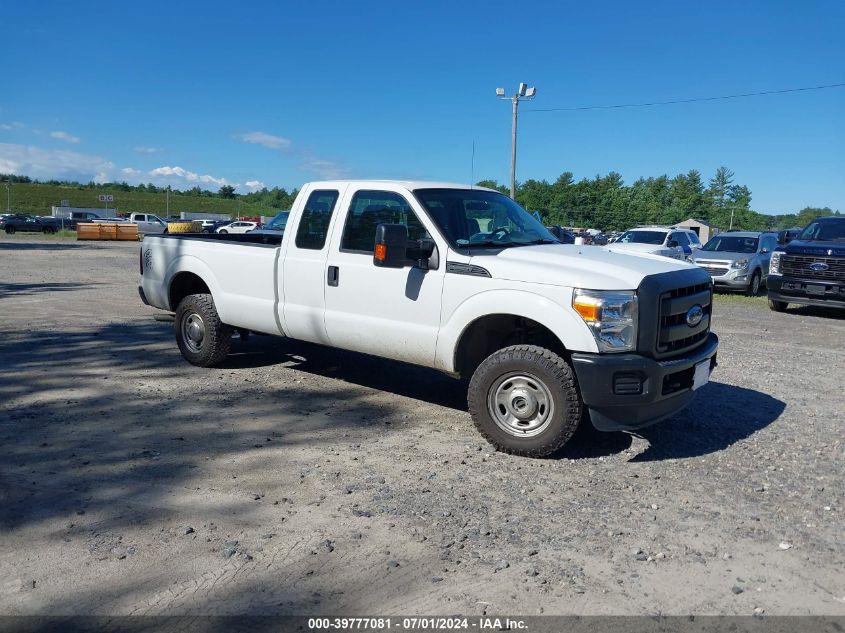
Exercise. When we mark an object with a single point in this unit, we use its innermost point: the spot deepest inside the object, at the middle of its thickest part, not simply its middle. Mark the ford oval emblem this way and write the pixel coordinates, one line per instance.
(694, 315)
(819, 266)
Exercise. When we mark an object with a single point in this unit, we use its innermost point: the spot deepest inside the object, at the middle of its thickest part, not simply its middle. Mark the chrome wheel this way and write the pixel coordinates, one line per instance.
(520, 404)
(193, 331)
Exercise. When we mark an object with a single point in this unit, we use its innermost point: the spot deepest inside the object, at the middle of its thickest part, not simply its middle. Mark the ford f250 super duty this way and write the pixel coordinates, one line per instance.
(810, 270)
(459, 279)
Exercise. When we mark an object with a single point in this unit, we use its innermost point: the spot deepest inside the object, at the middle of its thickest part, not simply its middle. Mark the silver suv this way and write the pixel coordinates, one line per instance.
(738, 260)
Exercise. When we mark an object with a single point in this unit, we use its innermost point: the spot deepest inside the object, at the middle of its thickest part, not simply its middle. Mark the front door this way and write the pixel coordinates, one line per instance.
(391, 312)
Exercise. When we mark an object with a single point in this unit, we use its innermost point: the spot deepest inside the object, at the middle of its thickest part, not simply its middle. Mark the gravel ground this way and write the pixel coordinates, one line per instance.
(303, 480)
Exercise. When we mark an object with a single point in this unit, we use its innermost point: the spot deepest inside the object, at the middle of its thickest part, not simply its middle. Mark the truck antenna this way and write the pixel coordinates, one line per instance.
(472, 166)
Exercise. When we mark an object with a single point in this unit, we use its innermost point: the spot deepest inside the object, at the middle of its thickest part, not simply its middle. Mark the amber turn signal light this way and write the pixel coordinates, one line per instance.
(380, 252)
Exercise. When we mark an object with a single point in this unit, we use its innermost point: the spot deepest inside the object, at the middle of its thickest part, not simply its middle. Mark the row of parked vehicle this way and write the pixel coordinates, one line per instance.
(803, 266)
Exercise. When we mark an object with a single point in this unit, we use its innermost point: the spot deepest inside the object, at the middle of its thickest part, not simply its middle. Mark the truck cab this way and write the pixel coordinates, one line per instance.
(148, 223)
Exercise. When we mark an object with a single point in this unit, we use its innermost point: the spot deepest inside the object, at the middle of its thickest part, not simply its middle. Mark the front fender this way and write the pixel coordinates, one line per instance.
(555, 315)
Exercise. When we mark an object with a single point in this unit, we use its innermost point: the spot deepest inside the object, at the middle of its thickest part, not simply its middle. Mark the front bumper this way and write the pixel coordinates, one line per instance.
(665, 385)
(791, 290)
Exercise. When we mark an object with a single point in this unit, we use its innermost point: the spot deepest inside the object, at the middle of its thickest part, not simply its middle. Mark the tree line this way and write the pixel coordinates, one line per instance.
(603, 202)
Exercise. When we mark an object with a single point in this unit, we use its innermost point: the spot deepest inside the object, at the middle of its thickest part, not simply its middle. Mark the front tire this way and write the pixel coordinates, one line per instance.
(524, 400)
(10, 230)
(754, 285)
(223, 232)
(203, 338)
(777, 306)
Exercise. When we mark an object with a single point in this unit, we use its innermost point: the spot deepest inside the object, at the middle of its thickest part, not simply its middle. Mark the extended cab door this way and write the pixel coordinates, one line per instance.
(304, 265)
(391, 312)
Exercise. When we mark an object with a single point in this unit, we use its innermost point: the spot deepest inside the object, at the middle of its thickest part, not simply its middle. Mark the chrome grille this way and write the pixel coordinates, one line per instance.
(800, 266)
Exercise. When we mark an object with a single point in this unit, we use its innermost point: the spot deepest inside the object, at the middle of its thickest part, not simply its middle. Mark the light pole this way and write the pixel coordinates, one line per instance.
(524, 93)
(8, 195)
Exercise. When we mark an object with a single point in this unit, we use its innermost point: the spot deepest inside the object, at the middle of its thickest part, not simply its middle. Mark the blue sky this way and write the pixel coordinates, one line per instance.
(278, 93)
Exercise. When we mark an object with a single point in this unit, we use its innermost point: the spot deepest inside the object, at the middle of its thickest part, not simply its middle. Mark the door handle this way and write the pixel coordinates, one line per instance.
(333, 276)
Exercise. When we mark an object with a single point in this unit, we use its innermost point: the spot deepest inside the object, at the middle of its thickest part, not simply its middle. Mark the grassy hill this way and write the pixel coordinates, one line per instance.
(37, 198)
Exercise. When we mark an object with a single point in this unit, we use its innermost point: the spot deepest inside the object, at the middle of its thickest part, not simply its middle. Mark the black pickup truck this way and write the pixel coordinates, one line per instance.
(810, 270)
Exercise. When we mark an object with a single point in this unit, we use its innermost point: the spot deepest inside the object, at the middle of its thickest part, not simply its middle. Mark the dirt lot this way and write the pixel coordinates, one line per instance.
(299, 480)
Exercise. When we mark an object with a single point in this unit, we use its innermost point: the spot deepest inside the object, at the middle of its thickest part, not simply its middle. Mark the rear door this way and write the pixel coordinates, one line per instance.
(304, 267)
(391, 312)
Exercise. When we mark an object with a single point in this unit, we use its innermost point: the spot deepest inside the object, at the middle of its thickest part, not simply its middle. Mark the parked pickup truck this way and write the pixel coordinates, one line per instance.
(462, 280)
(810, 269)
(148, 223)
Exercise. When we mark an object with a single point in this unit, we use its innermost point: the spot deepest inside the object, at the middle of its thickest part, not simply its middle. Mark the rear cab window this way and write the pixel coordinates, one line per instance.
(314, 221)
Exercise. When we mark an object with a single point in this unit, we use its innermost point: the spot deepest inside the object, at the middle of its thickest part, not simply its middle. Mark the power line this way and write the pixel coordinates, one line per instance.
(693, 100)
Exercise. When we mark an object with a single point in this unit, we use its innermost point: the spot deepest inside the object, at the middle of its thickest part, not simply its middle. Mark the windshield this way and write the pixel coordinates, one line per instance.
(824, 231)
(732, 244)
(473, 217)
(642, 237)
(278, 222)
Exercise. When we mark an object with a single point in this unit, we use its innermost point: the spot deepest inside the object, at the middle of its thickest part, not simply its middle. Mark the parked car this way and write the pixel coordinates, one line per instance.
(241, 226)
(564, 236)
(810, 270)
(738, 260)
(660, 240)
(276, 226)
(463, 280)
(210, 226)
(28, 224)
(787, 235)
(75, 217)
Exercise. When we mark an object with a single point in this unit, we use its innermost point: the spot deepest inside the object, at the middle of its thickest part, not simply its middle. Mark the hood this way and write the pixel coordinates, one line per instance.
(721, 256)
(570, 265)
(821, 249)
(633, 247)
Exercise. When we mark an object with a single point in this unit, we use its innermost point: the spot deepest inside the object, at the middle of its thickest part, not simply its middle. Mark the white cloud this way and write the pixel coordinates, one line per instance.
(262, 138)
(180, 174)
(14, 125)
(254, 185)
(64, 136)
(325, 169)
(42, 163)
(147, 150)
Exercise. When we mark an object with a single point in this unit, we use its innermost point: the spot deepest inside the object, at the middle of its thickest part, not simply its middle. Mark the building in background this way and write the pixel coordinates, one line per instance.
(699, 227)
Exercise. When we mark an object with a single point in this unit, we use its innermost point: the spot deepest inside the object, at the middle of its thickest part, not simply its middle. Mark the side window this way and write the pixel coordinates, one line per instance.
(314, 221)
(371, 208)
(680, 237)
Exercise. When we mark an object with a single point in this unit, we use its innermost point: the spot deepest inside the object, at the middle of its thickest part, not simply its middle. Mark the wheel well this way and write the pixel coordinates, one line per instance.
(496, 331)
(185, 284)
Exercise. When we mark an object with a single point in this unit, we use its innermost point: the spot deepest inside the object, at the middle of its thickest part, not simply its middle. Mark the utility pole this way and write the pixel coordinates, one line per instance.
(8, 195)
(523, 93)
(167, 215)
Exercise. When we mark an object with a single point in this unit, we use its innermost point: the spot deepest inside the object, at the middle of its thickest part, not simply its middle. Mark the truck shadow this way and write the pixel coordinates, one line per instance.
(719, 416)
(12, 290)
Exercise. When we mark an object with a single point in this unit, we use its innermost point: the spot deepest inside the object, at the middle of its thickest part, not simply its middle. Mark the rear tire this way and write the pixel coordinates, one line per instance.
(777, 306)
(754, 285)
(524, 400)
(203, 338)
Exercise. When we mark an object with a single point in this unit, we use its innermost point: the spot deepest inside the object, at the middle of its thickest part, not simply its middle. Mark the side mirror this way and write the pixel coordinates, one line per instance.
(672, 243)
(391, 246)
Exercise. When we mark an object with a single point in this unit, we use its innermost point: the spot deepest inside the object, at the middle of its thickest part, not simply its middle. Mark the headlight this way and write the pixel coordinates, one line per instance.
(611, 316)
(774, 263)
(740, 264)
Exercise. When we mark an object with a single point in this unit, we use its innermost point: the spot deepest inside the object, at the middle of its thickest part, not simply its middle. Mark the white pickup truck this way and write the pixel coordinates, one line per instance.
(460, 279)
